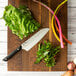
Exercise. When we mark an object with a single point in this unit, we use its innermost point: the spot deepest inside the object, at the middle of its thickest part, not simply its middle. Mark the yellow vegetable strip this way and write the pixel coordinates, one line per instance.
(60, 33)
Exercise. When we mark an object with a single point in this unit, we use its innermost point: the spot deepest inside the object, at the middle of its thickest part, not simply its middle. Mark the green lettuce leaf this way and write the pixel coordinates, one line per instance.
(20, 21)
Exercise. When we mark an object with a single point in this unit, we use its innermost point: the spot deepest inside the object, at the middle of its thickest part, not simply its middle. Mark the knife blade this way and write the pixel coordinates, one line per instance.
(28, 44)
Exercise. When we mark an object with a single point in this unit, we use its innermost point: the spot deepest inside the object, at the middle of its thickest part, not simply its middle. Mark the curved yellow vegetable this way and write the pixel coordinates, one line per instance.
(53, 20)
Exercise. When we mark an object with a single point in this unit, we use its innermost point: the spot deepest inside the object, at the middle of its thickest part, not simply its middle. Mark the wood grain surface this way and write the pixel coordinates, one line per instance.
(24, 61)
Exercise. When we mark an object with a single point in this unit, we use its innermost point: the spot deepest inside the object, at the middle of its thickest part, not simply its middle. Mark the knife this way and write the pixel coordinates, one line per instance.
(28, 44)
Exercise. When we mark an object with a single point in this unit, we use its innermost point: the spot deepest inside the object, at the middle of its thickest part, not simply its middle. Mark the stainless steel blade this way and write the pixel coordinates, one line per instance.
(27, 45)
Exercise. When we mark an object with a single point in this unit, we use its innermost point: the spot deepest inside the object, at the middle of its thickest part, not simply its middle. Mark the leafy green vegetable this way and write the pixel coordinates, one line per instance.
(20, 21)
(47, 52)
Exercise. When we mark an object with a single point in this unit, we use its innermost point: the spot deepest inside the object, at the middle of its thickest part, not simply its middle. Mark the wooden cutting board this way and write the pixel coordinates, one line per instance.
(24, 61)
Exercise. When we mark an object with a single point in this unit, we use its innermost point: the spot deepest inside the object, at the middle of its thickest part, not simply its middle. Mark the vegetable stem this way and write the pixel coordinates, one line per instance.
(53, 25)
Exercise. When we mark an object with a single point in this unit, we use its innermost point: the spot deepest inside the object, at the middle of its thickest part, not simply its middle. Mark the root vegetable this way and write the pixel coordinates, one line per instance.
(75, 71)
(71, 66)
(68, 73)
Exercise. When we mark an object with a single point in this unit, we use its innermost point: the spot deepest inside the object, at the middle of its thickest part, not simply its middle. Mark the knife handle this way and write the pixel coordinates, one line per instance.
(12, 54)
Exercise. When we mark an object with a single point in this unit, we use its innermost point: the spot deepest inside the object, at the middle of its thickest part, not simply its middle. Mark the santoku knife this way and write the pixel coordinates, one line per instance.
(28, 44)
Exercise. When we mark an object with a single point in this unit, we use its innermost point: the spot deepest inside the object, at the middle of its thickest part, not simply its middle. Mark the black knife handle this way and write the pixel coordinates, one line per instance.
(12, 54)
